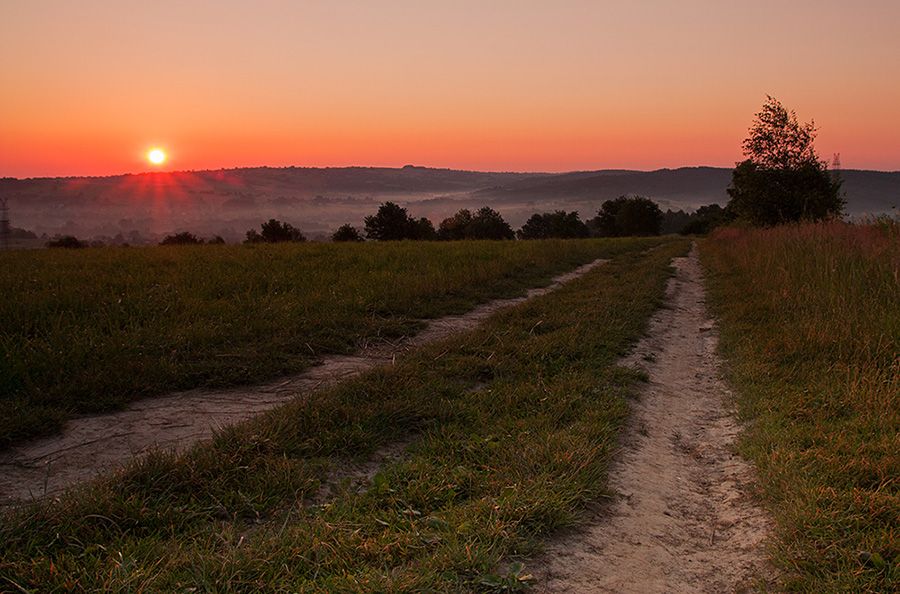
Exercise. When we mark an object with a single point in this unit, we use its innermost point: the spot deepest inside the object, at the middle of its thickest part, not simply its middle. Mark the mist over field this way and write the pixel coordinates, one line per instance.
(142, 208)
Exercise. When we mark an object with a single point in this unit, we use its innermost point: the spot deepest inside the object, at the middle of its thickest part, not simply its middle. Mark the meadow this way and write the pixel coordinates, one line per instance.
(86, 331)
(505, 432)
(810, 323)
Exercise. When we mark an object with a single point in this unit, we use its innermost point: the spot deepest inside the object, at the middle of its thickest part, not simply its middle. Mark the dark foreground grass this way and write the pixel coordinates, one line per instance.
(810, 321)
(89, 330)
(512, 427)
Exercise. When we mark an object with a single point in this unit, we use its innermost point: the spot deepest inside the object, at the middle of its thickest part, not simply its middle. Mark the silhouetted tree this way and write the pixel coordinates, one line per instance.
(627, 216)
(67, 241)
(422, 229)
(455, 227)
(486, 223)
(558, 224)
(216, 240)
(347, 233)
(274, 231)
(782, 179)
(393, 223)
(704, 220)
(183, 238)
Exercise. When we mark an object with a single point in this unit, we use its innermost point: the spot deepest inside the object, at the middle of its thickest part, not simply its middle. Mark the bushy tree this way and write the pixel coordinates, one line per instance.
(393, 223)
(66, 241)
(486, 223)
(627, 216)
(782, 179)
(347, 233)
(183, 238)
(559, 224)
(274, 231)
(705, 219)
(422, 229)
(455, 227)
(216, 240)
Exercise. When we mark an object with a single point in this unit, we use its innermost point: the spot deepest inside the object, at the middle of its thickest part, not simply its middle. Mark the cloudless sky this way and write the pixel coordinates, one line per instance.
(88, 86)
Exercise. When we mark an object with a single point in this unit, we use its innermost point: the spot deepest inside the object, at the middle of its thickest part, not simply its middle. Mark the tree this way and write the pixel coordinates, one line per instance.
(393, 223)
(183, 238)
(422, 229)
(782, 179)
(705, 219)
(558, 224)
(455, 227)
(487, 223)
(627, 216)
(347, 233)
(66, 241)
(274, 231)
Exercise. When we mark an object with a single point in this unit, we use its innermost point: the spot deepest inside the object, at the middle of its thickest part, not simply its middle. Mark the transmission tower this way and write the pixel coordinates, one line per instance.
(4, 224)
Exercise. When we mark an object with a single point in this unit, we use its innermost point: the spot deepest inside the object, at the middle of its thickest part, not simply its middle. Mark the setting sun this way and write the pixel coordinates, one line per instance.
(156, 156)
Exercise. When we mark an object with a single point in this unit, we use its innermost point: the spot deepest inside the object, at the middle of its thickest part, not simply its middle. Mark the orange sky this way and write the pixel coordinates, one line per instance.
(87, 87)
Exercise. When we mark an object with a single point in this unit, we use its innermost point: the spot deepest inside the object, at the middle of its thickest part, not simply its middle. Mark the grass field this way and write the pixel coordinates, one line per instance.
(810, 320)
(510, 429)
(90, 330)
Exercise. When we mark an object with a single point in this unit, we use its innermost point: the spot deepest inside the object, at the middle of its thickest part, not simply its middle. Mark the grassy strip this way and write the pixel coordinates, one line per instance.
(89, 330)
(513, 426)
(811, 331)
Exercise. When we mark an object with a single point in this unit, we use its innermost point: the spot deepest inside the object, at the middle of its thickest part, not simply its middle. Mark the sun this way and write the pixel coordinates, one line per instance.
(156, 156)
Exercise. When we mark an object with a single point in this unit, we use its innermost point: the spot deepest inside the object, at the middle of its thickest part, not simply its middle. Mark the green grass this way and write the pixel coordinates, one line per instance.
(511, 425)
(810, 319)
(90, 330)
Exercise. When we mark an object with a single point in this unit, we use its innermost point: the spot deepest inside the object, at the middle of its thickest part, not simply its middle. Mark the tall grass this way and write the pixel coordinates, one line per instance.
(88, 330)
(511, 427)
(811, 330)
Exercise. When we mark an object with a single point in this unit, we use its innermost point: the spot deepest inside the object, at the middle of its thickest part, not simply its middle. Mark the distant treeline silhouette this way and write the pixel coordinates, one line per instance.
(626, 216)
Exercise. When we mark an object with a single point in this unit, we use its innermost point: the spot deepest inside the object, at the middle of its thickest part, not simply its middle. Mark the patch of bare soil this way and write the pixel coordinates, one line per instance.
(91, 445)
(683, 519)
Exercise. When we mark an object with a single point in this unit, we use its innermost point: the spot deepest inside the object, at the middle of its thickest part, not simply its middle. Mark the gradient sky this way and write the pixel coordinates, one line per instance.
(86, 87)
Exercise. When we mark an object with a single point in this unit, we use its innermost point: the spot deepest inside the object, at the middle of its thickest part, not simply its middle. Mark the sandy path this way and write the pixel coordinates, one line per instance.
(683, 521)
(90, 445)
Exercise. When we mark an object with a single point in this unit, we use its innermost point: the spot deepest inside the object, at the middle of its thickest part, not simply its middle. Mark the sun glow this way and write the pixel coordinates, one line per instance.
(156, 156)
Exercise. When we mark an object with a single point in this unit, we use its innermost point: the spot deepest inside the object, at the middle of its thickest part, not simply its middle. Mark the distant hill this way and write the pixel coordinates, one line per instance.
(228, 202)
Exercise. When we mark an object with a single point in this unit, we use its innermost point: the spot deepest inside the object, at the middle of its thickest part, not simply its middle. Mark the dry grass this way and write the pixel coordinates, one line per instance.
(811, 330)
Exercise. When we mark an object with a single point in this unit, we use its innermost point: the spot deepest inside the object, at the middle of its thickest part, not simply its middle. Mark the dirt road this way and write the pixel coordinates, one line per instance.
(683, 520)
